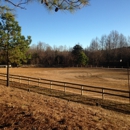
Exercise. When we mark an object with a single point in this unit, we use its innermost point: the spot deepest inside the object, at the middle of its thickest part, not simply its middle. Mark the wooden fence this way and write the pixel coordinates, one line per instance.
(92, 91)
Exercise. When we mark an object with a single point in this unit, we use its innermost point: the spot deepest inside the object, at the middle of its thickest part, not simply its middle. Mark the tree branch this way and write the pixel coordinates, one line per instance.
(18, 4)
(57, 4)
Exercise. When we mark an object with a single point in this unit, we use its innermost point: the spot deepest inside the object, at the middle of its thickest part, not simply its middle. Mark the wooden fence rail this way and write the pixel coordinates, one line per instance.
(67, 87)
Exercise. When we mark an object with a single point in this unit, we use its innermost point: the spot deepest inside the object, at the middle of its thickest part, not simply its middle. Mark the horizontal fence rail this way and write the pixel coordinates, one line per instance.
(100, 92)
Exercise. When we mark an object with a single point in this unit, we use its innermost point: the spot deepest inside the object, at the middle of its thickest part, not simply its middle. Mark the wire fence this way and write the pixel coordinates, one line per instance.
(98, 92)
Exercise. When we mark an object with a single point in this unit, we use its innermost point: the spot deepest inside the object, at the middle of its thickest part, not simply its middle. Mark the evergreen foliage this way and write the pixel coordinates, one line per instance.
(12, 41)
(82, 59)
(79, 56)
(56, 5)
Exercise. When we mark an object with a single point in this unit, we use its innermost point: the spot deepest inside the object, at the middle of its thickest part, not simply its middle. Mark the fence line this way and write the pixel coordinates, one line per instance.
(84, 89)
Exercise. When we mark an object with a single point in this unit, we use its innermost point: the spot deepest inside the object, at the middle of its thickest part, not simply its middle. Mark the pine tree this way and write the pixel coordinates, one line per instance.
(13, 45)
(79, 56)
(11, 40)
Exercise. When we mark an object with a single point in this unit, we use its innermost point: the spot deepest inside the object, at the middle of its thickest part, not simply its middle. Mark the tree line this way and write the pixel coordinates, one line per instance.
(44, 55)
(110, 50)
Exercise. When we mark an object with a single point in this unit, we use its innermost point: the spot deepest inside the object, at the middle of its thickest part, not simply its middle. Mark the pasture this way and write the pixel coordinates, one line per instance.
(99, 77)
(103, 83)
(30, 110)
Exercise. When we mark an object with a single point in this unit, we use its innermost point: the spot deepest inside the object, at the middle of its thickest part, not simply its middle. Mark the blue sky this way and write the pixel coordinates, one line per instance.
(65, 28)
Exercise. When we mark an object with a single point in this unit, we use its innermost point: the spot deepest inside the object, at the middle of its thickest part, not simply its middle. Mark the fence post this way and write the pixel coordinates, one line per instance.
(28, 81)
(19, 79)
(64, 87)
(81, 90)
(50, 84)
(102, 93)
(38, 82)
(129, 97)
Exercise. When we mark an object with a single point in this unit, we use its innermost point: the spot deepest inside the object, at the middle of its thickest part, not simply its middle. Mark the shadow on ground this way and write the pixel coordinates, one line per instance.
(106, 104)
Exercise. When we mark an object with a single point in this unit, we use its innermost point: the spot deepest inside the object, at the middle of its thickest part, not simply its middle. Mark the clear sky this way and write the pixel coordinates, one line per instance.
(65, 28)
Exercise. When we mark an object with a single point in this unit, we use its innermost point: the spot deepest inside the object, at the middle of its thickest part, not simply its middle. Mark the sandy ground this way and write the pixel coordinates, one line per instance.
(22, 110)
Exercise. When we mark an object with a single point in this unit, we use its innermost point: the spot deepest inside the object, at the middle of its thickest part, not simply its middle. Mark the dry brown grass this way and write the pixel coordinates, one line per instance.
(103, 77)
(32, 111)
(27, 111)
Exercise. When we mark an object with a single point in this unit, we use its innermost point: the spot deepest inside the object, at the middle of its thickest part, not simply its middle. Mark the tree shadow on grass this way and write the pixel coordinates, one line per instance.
(106, 104)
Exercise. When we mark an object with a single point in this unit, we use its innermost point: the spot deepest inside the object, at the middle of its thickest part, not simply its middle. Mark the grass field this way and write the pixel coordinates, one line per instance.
(102, 77)
(29, 110)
